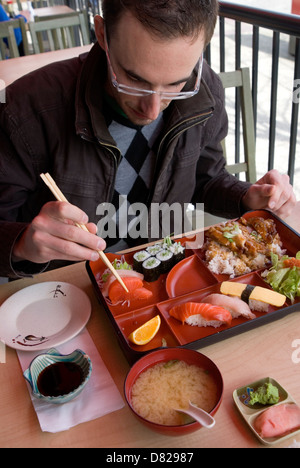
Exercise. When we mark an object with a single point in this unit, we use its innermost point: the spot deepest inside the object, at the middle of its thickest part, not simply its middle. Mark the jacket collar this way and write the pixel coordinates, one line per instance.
(90, 122)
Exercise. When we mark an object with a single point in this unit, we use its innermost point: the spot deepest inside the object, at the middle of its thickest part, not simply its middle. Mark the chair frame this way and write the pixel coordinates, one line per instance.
(240, 79)
(59, 31)
(7, 31)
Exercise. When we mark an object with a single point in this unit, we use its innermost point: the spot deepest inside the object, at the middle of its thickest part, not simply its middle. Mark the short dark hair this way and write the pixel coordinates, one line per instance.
(166, 18)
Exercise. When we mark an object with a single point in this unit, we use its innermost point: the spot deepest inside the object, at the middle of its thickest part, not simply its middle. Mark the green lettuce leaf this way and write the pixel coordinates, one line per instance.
(282, 279)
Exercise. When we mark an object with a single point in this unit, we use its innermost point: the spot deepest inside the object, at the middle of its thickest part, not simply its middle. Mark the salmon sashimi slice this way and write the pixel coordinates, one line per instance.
(136, 290)
(207, 312)
(278, 420)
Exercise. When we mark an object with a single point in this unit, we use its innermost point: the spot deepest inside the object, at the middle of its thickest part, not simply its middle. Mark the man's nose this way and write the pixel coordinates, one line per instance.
(151, 106)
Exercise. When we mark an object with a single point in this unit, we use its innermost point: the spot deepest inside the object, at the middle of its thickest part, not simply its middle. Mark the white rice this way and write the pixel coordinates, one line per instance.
(258, 305)
(198, 321)
(221, 261)
(226, 262)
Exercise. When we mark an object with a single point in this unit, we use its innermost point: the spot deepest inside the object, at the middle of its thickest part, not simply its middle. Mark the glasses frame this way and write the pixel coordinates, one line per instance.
(132, 91)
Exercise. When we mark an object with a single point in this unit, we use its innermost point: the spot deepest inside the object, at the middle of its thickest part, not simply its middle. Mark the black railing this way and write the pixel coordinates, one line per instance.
(278, 24)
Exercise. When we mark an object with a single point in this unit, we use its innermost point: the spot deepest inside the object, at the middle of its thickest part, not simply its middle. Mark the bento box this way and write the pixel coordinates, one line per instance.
(191, 279)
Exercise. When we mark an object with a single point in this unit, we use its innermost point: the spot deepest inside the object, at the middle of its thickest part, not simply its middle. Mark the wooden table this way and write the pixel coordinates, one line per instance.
(47, 12)
(12, 69)
(264, 352)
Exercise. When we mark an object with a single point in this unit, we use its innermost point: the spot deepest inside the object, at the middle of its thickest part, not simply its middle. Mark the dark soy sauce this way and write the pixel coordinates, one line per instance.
(60, 378)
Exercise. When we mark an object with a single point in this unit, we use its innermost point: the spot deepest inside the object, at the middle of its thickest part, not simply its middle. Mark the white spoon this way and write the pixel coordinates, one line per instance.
(201, 416)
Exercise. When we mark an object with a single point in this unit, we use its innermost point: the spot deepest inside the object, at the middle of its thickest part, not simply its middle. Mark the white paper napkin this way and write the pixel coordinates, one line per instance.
(99, 397)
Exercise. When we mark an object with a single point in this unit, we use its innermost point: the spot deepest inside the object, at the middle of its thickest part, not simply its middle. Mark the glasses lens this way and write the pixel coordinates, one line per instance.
(163, 95)
(140, 92)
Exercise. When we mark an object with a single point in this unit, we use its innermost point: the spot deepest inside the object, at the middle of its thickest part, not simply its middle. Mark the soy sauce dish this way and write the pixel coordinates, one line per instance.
(58, 378)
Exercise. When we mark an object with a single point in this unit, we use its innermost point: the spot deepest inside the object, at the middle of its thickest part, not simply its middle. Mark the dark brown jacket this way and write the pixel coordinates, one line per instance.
(53, 122)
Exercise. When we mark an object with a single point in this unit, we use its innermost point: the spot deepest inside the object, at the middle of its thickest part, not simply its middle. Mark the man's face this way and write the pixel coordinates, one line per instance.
(142, 60)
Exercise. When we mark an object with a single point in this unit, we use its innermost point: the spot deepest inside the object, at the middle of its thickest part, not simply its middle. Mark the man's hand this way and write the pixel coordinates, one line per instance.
(274, 192)
(53, 235)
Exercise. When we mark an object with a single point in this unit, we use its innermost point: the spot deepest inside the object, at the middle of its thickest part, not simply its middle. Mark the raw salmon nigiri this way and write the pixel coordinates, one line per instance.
(278, 420)
(201, 312)
(135, 286)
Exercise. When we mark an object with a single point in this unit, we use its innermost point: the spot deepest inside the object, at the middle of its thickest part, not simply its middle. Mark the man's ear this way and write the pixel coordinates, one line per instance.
(99, 30)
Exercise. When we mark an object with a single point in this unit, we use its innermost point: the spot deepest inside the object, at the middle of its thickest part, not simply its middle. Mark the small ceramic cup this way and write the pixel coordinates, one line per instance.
(42, 361)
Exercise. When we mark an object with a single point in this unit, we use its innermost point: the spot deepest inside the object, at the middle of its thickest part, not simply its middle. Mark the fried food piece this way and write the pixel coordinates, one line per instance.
(250, 243)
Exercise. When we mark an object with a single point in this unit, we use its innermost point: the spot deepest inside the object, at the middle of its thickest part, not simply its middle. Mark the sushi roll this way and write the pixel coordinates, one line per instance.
(178, 251)
(166, 259)
(154, 249)
(138, 259)
(151, 269)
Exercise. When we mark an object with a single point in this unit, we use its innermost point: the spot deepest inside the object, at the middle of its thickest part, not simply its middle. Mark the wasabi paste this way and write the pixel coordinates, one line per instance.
(267, 394)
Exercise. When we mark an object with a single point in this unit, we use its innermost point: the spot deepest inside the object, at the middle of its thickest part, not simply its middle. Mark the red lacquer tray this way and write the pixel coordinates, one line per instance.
(189, 280)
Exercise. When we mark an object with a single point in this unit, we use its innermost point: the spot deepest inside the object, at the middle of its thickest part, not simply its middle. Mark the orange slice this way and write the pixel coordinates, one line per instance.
(146, 332)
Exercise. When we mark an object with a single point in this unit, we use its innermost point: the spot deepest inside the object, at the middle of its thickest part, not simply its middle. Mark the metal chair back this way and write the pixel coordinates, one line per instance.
(240, 79)
(8, 43)
(61, 32)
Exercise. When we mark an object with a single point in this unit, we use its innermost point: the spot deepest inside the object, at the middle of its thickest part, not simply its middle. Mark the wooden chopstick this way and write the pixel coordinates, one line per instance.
(60, 197)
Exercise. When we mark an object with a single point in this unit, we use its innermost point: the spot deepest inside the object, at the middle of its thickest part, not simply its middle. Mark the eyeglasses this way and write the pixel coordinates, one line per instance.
(132, 91)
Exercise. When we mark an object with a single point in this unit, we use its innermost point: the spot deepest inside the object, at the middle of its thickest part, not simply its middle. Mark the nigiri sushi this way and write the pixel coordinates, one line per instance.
(257, 297)
(136, 289)
(278, 420)
(235, 305)
(201, 314)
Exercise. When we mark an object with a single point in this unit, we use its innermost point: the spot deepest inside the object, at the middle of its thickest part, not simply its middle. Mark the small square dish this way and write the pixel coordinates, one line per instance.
(262, 417)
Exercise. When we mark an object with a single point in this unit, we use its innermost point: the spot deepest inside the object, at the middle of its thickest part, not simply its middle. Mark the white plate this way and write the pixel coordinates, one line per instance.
(43, 315)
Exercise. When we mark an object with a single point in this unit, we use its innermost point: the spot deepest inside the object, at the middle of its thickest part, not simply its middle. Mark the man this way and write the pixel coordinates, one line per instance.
(140, 119)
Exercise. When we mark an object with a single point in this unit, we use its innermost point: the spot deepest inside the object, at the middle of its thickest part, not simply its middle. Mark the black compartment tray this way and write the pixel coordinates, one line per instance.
(171, 289)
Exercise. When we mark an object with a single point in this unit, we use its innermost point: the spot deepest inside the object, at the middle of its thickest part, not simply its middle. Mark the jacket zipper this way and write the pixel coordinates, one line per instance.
(111, 149)
(197, 120)
(182, 127)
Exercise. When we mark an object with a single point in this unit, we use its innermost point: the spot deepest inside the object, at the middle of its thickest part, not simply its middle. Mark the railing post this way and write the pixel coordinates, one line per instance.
(274, 89)
(255, 49)
(295, 113)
